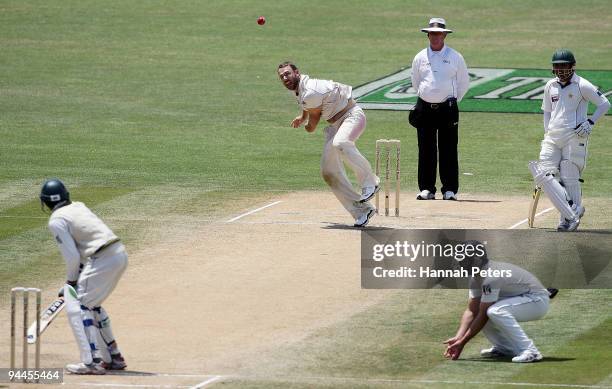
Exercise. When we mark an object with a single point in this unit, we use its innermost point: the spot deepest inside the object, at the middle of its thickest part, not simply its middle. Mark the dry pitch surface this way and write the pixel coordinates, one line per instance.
(193, 311)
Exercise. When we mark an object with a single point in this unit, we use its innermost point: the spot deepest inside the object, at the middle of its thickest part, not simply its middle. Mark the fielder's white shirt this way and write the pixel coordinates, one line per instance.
(491, 289)
(331, 96)
(440, 75)
(568, 105)
(78, 233)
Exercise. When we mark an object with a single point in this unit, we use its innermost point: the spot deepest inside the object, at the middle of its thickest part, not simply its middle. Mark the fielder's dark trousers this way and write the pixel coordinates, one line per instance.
(438, 138)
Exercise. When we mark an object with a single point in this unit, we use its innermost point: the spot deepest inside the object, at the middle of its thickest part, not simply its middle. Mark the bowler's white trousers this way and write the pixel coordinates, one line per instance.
(503, 329)
(339, 148)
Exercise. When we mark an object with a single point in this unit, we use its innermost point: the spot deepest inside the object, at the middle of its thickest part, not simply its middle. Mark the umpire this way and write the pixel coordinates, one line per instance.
(440, 77)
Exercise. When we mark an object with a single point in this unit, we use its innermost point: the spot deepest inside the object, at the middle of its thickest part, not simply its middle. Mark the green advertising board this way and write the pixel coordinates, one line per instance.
(491, 90)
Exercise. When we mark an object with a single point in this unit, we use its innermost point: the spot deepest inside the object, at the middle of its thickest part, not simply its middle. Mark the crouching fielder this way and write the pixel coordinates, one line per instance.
(496, 306)
(566, 136)
(333, 102)
(95, 260)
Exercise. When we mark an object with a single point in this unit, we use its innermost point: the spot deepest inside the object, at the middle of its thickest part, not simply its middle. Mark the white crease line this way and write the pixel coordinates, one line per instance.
(143, 374)
(114, 385)
(291, 223)
(399, 381)
(253, 211)
(526, 220)
(208, 381)
(111, 385)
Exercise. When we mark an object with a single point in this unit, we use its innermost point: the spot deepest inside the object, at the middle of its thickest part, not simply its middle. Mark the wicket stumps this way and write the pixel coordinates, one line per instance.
(385, 146)
(26, 301)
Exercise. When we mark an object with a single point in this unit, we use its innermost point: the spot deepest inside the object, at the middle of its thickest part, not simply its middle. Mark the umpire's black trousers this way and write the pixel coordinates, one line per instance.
(437, 129)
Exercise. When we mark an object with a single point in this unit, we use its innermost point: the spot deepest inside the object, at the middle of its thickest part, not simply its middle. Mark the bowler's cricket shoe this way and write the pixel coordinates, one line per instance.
(426, 195)
(364, 219)
(528, 356)
(368, 192)
(117, 363)
(83, 369)
(493, 352)
(449, 195)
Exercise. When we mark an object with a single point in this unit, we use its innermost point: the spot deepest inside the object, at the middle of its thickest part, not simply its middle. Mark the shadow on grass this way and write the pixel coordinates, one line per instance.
(509, 360)
(601, 232)
(131, 373)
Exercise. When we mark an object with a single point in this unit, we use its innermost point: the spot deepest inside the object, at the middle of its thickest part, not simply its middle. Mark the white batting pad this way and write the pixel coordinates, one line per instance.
(553, 189)
(75, 319)
(570, 176)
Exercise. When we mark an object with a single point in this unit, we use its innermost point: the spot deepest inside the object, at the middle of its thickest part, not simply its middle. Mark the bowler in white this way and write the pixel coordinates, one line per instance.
(333, 102)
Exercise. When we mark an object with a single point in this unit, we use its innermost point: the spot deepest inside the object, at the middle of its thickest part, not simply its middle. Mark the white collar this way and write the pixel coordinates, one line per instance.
(431, 52)
(303, 79)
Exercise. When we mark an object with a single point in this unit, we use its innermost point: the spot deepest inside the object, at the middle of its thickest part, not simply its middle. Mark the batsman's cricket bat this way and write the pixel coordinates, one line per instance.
(534, 206)
(46, 318)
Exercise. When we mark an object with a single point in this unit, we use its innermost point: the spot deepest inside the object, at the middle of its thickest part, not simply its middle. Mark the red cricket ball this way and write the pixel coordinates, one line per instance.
(261, 20)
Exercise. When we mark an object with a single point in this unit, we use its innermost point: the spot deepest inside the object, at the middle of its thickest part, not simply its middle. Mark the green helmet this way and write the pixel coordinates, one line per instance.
(563, 56)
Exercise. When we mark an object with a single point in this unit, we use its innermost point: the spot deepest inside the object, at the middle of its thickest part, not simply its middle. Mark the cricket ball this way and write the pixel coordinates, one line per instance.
(261, 20)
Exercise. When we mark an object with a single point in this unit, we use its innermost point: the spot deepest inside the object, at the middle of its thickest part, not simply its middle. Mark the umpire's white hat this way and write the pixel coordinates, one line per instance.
(436, 25)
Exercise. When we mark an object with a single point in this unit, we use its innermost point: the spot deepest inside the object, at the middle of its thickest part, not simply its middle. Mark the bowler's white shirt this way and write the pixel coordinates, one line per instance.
(328, 95)
(568, 105)
(491, 289)
(439, 75)
(78, 233)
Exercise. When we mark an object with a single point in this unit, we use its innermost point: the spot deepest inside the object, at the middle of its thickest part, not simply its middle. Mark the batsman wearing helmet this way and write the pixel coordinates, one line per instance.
(566, 135)
(95, 260)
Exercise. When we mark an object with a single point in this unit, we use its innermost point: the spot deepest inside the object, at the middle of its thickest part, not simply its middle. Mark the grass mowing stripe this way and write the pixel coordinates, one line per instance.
(589, 359)
(401, 338)
(139, 217)
(28, 215)
(396, 338)
(352, 382)
(132, 94)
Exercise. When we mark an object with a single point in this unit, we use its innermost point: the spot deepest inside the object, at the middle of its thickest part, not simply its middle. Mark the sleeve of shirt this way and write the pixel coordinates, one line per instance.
(474, 293)
(591, 93)
(67, 246)
(463, 77)
(416, 77)
(474, 290)
(547, 115)
(546, 103)
(601, 110)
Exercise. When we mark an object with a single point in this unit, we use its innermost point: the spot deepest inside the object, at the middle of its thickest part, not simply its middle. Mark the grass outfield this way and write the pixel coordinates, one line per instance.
(158, 113)
(399, 344)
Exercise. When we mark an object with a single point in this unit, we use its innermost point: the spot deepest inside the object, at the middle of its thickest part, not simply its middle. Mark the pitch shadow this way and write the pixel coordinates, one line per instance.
(338, 226)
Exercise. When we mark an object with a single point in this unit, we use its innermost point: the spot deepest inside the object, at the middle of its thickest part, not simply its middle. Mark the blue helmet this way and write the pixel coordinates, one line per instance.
(53, 193)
